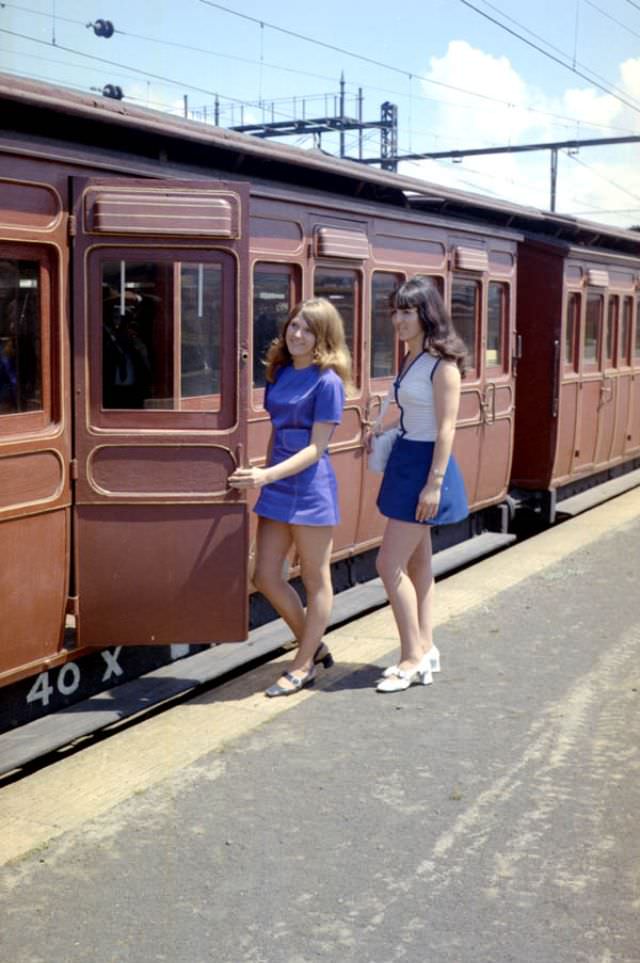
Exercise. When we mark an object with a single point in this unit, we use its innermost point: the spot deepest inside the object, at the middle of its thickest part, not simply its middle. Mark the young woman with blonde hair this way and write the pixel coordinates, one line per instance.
(308, 367)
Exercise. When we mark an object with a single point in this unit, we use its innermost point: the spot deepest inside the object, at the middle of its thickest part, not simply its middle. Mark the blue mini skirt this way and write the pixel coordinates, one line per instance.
(404, 478)
(308, 498)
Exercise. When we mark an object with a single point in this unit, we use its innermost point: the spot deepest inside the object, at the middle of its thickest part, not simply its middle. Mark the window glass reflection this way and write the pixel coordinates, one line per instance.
(272, 301)
(20, 337)
(571, 326)
(201, 324)
(465, 300)
(383, 339)
(496, 316)
(625, 332)
(592, 328)
(339, 287)
(161, 335)
(612, 326)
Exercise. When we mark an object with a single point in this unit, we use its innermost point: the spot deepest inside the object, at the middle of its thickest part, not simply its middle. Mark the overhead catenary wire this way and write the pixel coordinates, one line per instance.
(551, 46)
(545, 53)
(604, 13)
(112, 63)
(400, 70)
(603, 177)
(279, 67)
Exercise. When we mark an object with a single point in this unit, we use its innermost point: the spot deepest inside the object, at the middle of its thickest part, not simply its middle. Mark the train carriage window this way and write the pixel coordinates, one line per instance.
(342, 289)
(497, 316)
(465, 314)
(24, 345)
(612, 329)
(572, 323)
(274, 294)
(624, 344)
(384, 344)
(636, 349)
(593, 330)
(161, 335)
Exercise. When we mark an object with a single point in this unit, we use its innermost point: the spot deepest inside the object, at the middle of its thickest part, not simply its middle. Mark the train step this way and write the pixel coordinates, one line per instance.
(600, 493)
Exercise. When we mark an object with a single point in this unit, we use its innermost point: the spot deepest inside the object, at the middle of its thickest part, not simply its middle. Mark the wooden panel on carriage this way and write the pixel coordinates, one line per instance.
(632, 444)
(160, 325)
(34, 427)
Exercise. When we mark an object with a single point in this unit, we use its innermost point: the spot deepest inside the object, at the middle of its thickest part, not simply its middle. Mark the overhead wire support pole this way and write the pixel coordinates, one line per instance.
(342, 117)
(554, 178)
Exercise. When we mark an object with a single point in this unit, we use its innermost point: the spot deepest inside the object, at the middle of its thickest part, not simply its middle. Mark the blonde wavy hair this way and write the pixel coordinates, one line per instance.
(330, 349)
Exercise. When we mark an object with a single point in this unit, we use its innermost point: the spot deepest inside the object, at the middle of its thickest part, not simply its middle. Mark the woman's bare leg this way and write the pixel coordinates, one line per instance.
(313, 544)
(273, 541)
(420, 571)
(401, 540)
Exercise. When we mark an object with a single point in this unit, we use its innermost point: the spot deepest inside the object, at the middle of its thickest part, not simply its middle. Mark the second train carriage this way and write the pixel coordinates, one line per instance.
(145, 264)
(579, 377)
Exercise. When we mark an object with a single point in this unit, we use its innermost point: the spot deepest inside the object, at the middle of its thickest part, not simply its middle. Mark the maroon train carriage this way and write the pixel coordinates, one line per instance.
(145, 264)
(578, 421)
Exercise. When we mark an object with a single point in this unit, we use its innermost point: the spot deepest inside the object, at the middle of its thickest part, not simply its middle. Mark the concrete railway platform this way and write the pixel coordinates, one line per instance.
(491, 817)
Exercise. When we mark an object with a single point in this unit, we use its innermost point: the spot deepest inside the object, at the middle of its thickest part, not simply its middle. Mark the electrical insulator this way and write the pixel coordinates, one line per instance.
(103, 28)
(111, 90)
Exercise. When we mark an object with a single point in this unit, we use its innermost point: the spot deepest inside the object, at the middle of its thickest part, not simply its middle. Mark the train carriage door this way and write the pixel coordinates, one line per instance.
(591, 371)
(35, 491)
(160, 339)
(498, 404)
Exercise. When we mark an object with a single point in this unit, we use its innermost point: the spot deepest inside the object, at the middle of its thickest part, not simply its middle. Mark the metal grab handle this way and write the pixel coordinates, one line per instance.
(606, 391)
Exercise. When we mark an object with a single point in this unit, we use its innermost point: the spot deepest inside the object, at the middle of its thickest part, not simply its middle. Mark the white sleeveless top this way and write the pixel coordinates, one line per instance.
(413, 389)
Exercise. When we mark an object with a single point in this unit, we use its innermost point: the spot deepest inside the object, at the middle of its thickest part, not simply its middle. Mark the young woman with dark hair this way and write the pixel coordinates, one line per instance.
(422, 485)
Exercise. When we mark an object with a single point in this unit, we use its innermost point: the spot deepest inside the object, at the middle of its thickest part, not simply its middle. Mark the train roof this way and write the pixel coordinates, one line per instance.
(90, 120)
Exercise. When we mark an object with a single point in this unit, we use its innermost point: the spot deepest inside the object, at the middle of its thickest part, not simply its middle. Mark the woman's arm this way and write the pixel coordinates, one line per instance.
(446, 401)
(257, 477)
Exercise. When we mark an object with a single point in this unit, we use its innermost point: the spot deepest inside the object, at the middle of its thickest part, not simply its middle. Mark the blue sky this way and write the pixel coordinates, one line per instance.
(458, 79)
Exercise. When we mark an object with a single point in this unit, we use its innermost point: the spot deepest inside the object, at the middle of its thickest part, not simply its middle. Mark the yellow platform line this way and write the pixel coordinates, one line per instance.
(67, 794)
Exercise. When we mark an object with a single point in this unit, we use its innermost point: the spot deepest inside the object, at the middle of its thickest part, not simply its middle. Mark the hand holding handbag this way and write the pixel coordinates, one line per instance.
(381, 444)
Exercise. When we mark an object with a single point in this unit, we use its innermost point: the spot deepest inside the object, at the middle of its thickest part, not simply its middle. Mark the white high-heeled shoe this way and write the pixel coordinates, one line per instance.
(402, 679)
(434, 660)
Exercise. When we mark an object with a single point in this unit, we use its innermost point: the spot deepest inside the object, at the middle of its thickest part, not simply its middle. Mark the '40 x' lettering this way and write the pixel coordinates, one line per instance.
(68, 678)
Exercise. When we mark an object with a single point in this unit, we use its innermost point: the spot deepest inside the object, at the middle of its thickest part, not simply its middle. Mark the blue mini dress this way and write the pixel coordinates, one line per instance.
(298, 398)
(410, 460)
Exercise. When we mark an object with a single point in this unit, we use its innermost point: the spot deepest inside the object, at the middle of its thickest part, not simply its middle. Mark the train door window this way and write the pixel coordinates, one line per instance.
(612, 330)
(592, 331)
(571, 328)
(161, 334)
(624, 342)
(341, 287)
(199, 342)
(465, 314)
(25, 313)
(497, 324)
(384, 344)
(274, 294)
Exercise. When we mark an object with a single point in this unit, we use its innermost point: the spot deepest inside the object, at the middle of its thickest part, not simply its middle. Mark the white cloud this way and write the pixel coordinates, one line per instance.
(584, 184)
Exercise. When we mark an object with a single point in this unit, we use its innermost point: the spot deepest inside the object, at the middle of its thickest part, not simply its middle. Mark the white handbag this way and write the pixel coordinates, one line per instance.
(382, 444)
